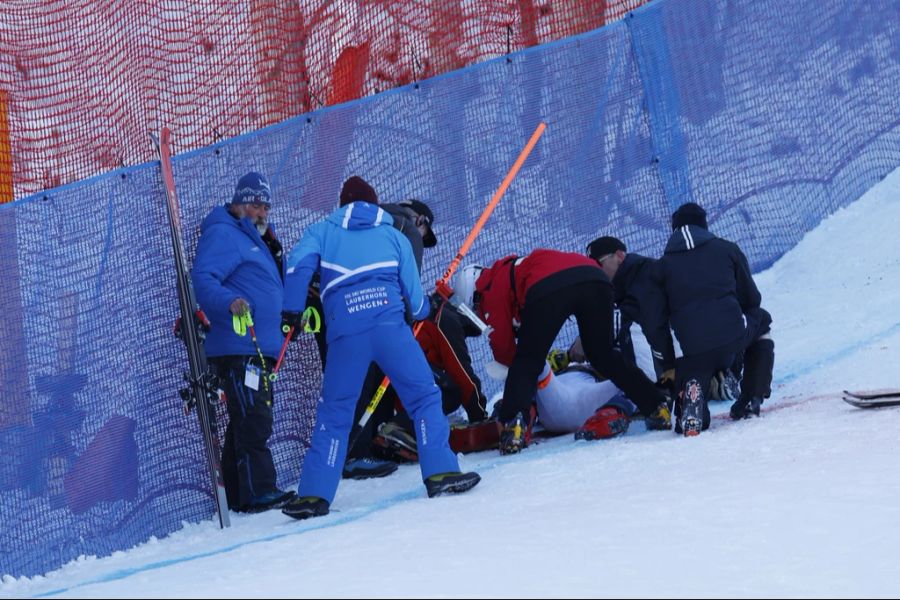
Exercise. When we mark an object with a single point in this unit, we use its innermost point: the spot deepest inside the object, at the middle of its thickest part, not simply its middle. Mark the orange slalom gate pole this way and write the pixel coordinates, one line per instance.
(442, 284)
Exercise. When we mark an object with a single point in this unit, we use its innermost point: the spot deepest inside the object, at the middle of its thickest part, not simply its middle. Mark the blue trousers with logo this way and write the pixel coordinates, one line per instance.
(393, 347)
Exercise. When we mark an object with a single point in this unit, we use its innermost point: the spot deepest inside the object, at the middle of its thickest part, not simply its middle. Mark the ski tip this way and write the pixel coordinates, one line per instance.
(872, 402)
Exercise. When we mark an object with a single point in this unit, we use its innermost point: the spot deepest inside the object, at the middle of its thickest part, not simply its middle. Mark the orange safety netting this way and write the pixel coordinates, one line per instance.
(83, 82)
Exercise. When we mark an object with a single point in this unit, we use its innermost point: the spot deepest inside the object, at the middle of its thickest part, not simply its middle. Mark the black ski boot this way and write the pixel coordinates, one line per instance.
(304, 507)
(745, 408)
(274, 499)
(515, 434)
(692, 409)
(755, 405)
(451, 483)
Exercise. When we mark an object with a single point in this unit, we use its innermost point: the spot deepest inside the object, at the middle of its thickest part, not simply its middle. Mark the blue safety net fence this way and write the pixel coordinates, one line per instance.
(770, 114)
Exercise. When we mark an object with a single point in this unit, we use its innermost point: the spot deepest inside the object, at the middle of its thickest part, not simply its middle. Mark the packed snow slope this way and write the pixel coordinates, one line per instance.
(801, 502)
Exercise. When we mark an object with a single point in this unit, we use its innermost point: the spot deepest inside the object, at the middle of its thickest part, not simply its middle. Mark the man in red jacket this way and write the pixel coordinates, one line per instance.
(527, 301)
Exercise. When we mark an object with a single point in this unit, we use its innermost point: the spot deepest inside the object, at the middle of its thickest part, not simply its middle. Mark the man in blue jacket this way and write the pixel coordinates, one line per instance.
(369, 288)
(238, 270)
(714, 309)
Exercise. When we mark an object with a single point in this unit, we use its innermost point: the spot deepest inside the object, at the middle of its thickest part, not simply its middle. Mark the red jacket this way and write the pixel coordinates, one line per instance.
(534, 276)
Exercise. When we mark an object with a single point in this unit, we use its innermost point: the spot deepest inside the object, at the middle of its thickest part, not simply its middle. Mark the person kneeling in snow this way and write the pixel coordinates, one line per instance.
(527, 300)
(715, 310)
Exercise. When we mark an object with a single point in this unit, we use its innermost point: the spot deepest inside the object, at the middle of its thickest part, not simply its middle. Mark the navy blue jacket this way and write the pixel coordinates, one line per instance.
(639, 295)
(234, 262)
(709, 287)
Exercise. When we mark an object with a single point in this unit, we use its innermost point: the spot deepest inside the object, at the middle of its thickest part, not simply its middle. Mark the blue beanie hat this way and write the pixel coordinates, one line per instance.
(252, 188)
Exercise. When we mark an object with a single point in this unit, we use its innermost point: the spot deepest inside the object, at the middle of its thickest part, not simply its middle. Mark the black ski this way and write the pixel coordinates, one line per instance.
(873, 400)
(873, 395)
(202, 390)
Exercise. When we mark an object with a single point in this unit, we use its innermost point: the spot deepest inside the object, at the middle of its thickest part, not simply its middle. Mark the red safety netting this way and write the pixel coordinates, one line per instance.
(83, 82)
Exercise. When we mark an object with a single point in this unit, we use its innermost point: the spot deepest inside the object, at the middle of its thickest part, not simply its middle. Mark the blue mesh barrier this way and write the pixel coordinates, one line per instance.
(771, 115)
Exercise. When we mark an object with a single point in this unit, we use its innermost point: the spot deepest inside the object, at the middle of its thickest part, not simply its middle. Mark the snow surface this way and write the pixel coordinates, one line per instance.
(802, 502)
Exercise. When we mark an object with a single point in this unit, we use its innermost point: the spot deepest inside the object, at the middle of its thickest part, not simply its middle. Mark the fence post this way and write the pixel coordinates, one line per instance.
(6, 165)
(15, 408)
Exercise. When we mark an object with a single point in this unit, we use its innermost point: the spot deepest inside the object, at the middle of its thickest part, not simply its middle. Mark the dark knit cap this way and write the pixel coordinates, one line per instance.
(357, 189)
(689, 213)
(252, 188)
(603, 246)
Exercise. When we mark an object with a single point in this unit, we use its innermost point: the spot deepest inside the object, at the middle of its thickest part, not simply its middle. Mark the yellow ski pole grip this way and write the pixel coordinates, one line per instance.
(311, 315)
(240, 323)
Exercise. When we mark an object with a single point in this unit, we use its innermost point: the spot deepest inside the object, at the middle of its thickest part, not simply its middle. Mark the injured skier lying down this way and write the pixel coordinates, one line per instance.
(577, 399)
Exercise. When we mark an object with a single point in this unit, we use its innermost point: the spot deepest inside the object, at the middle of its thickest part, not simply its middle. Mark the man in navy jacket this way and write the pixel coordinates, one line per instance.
(714, 309)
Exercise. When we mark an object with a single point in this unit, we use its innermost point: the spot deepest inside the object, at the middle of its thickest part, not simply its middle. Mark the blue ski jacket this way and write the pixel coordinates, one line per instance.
(234, 262)
(368, 273)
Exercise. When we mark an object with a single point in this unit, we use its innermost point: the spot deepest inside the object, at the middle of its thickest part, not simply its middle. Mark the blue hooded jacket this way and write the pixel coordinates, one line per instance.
(709, 289)
(234, 262)
(368, 272)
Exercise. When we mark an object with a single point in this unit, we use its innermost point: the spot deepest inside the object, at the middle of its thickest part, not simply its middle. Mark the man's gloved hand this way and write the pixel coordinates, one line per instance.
(436, 301)
(667, 378)
(478, 412)
(238, 307)
(558, 359)
(666, 384)
(292, 319)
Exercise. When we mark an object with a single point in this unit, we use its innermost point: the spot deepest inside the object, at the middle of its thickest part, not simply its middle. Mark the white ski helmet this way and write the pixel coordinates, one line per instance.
(464, 284)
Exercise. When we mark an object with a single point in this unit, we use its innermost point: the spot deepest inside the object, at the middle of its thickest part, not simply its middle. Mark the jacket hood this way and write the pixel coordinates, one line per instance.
(687, 238)
(219, 216)
(360, 215)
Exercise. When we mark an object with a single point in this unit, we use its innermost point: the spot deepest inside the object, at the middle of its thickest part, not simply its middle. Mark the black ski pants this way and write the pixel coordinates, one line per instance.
(591, 303)
(247, 466)
(759, 356)
(699, 369)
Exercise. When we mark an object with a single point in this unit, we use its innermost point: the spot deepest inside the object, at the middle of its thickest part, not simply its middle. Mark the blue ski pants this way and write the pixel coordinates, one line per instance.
(395, 350)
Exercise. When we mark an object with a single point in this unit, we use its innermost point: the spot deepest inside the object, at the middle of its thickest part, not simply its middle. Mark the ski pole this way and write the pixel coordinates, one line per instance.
(242, 324)
(443, 284)
(287, 338)
(310, 314)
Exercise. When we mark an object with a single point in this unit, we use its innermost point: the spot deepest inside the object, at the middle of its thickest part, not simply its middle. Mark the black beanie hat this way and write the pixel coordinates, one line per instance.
(689, 213)
(357, 188)
(603, 246)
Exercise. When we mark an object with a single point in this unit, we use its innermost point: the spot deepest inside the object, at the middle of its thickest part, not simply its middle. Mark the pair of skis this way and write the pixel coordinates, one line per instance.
(201, 392)
(873, 399)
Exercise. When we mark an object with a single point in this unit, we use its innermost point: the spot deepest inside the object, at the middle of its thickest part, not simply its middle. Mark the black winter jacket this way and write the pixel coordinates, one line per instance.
(639, 295)
(709, 288)
(405, 224)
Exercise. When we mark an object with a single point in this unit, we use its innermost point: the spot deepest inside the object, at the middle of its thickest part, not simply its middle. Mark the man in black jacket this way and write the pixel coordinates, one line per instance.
(714, 309)
(639, 297)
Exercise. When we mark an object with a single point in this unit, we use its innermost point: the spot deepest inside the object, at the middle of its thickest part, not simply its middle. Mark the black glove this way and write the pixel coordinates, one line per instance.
(666, 385)
(475, 411)
(437, 301)
(292, 319)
